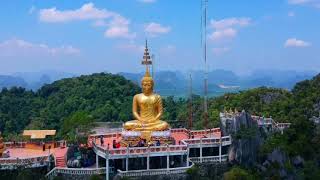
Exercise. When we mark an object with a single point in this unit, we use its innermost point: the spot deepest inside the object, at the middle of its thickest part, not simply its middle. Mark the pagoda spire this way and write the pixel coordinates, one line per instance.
(146, 59)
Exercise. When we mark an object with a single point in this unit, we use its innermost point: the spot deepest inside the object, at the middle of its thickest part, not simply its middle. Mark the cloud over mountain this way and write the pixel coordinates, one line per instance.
(117, 25)
(18, 47)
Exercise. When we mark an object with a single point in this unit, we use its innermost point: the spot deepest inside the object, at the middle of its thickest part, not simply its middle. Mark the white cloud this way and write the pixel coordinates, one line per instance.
(224, 34)
(291, 14)
(119, 32)
(230, 22)
(299, 1)
(86, 12)
(226, 29)
(155, 29)
(100, 23)
(18, 47)
(117, 25)
(312, 3)
(293, 42)
(147, 1)
(219, 51)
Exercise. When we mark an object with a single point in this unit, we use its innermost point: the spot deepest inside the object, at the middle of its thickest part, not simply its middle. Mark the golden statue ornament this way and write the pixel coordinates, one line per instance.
(147, 106)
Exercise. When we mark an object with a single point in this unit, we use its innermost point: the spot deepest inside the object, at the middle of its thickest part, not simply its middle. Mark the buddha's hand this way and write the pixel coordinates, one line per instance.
(153, 120)
(139, 125)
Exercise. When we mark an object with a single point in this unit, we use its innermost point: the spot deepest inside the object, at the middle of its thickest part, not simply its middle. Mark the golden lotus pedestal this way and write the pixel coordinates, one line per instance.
(132, 138)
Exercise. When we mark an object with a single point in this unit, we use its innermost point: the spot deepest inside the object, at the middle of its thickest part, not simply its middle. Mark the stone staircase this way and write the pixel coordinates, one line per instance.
(60, 157)
(60, 161)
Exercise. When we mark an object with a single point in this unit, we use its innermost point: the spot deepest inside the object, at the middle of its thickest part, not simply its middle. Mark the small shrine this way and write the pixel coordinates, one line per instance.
(38, 139)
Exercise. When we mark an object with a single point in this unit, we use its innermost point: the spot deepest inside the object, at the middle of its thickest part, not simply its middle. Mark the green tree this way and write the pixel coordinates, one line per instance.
(237, 173)
(75, 128)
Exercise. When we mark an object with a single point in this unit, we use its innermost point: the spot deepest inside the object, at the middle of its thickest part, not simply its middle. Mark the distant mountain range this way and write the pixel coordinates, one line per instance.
(32, 80)
(221, 81)
(175, 82)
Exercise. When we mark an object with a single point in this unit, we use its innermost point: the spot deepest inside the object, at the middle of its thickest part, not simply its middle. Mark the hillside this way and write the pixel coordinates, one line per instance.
(296, 151)
(11, 81)
(105, 97)
(299, 146)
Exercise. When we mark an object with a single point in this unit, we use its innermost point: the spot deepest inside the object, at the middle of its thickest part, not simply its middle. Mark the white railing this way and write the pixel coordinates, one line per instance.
(283, 125)
(23, 144)
(205, 159)
(75, 171)
(205, 131)
(27, 160)
(139, 150)
(262, 121)
(225, 140)
(13, 163)
(144, 150)
(108, 135)
(150, 172)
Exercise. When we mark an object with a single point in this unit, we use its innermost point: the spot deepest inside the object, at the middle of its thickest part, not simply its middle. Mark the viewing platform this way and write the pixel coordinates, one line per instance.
(19, 154)
(190, 147)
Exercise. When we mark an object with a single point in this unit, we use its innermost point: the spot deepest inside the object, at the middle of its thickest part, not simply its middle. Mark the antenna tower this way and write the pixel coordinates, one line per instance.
(190, 104)
(204, 49)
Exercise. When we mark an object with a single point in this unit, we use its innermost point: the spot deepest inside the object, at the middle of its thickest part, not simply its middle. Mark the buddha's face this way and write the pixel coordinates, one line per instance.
(147, 86)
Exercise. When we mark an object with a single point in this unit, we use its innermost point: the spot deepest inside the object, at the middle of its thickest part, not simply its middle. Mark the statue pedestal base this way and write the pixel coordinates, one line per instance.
(132, 138)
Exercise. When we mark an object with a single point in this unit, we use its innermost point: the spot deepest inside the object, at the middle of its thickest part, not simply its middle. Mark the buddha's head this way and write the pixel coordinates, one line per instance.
(147, 84)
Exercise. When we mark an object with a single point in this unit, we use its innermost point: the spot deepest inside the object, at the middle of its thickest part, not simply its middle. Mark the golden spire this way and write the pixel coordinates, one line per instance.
(146, 60)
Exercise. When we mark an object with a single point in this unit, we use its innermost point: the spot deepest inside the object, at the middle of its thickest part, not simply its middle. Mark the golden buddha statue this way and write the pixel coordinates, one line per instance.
(147, 106)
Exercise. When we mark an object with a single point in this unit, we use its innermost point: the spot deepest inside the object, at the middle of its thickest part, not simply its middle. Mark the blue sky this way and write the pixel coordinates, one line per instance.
(108, 35)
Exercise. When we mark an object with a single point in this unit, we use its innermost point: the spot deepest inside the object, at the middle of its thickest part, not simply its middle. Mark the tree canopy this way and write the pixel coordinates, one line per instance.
(105, 97)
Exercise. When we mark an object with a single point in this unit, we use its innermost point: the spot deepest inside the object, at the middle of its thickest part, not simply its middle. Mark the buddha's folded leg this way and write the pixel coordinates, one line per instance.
(147, 126)
(132, 125)
(154, 126)
(162, 125)
(144, 128)
(136, 125)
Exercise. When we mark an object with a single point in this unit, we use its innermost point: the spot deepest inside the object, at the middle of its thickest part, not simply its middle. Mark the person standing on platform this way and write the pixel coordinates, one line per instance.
(101, 141)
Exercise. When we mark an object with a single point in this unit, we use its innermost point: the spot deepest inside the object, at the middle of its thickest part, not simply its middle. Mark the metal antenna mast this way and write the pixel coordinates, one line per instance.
(204, 47)
(153, 72)
(190, 104)
(152, 58)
